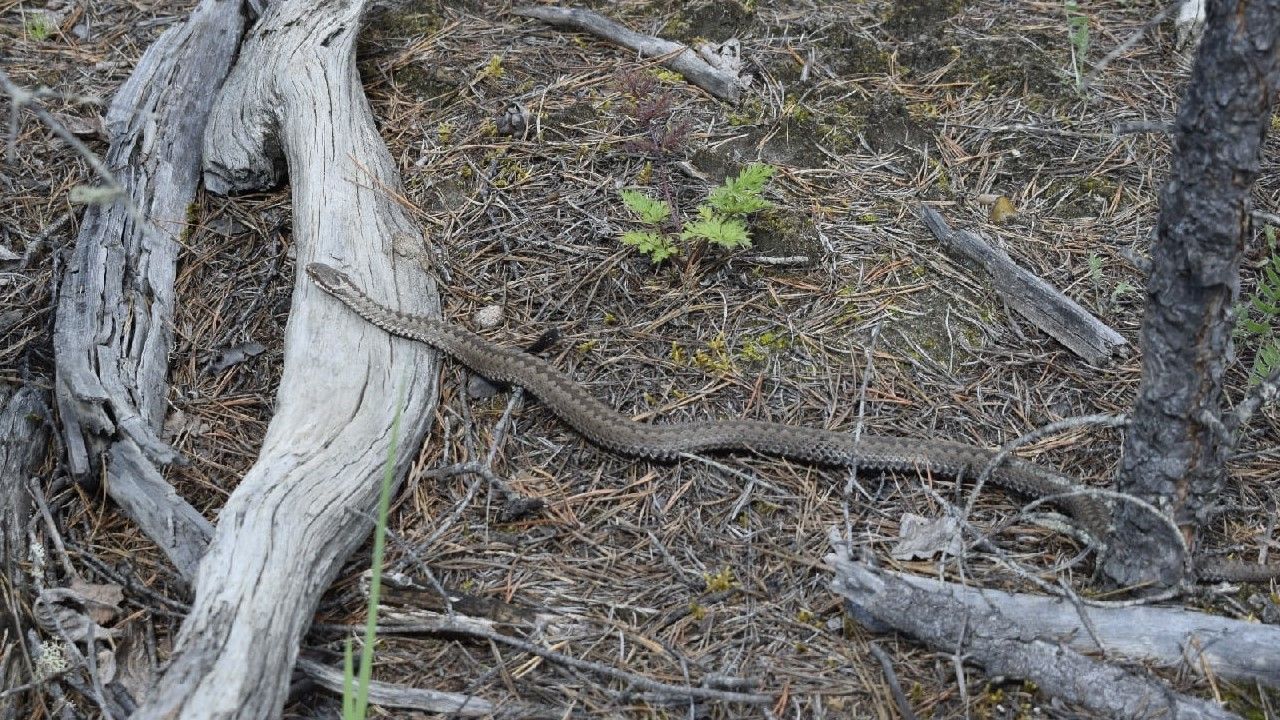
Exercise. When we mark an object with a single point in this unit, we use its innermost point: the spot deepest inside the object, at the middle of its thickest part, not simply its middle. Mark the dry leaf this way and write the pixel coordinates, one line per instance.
(1002, 210)
(78, 610)
(101, 601)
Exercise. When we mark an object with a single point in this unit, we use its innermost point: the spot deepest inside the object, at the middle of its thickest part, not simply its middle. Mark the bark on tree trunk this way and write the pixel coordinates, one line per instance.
(294, 96)
(1175, 448)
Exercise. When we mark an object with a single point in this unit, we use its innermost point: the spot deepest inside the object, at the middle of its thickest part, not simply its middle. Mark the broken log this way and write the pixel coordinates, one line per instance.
(677, 57)
(1044, 639)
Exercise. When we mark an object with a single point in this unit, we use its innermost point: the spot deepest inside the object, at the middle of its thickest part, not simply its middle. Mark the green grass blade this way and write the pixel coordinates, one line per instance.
(375, 582)
(348, 681)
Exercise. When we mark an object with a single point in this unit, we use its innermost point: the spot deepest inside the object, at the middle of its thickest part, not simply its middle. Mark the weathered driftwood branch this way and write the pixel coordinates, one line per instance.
(1033, 298)
(22, 443)
(294, 100)
(679, 57)
(113, 334)
(1044, 639)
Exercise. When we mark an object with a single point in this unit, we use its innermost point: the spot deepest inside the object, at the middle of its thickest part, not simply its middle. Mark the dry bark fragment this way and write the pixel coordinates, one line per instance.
(22, 443)
(680, 58)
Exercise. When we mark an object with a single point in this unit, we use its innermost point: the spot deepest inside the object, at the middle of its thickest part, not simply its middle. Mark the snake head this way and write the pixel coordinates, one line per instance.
(327, 277)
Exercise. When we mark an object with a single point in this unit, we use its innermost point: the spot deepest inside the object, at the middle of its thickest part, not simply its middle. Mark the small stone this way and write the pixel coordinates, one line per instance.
(488, 317)
(514, 120)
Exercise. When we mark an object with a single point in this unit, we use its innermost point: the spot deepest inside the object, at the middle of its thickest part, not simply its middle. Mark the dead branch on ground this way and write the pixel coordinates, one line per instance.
(1044, 639)
(114, 334)
(294, 101)
(1045, 306)
(678, 57)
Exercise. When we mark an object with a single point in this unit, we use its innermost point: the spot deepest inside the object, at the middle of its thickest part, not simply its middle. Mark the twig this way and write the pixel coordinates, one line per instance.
(1023, 127)
(1264, 215)
(1128, 43)
(444, 624)
(25, 98)
(33, 488)
(886, 666)
(852, 473)
(1264, 392)
(1141, 126)
(787, 260)
(1043, 431)
(398, 696)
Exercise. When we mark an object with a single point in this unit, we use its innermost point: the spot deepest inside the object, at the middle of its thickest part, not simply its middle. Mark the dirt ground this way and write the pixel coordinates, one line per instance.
(679, 571)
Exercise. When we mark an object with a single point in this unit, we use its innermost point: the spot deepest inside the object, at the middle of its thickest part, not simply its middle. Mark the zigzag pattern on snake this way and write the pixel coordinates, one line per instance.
(613, 431)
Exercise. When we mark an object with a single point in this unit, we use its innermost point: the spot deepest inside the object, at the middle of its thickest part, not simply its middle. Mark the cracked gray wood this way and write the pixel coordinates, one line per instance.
(294, 100)
(675, 56)
(113, 335)
(1042, 639)
(23, 442)
(1030, 296)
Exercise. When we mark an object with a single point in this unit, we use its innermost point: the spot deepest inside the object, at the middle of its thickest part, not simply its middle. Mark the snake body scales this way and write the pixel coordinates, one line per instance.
(609, 429)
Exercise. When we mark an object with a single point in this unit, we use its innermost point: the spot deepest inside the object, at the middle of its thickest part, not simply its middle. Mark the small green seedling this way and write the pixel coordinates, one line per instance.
(1078, 34)
(721, 218)
(38, 26)
(1260, 315)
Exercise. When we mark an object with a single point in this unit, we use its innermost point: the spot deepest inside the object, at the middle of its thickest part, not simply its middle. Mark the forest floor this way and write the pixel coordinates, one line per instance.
(867, 110)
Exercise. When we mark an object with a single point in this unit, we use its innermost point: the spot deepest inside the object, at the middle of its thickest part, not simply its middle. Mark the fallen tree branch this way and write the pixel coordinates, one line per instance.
(1045, 306)
(676, 56)
(22, 444)
(1042, 639)
(294, 101)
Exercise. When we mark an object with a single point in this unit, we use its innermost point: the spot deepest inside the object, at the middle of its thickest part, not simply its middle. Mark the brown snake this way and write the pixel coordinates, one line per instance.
(613, 431)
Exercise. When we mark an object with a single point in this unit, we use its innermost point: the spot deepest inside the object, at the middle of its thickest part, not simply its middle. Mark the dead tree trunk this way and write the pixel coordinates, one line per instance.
(294, 100)
(1175, 449)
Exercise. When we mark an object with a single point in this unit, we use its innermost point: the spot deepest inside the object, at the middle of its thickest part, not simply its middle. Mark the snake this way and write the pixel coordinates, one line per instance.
(607, 428)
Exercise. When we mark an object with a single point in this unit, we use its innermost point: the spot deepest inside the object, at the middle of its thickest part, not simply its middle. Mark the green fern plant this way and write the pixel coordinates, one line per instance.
(721, 218)
(1260, 315)
(651, 241)
(740, 195)
(723, 230)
